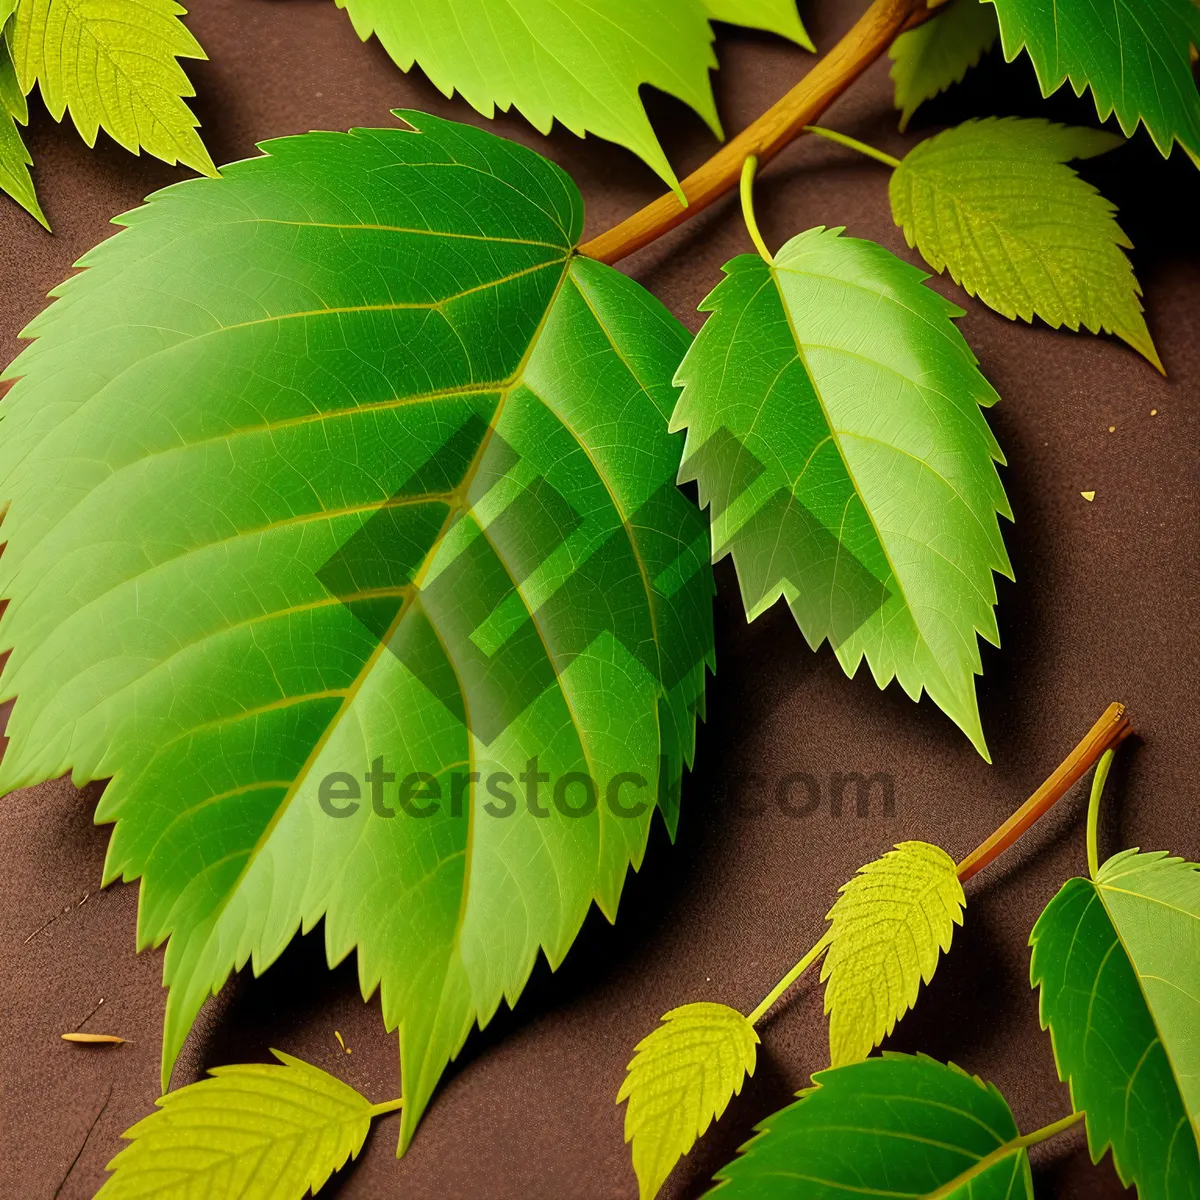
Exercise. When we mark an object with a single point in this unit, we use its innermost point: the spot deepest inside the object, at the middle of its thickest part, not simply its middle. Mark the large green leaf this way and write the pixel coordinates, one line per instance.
(1135, 55)
(775, 16)
(1118, 964)
(680, 1080)
(887, 929)
(938, 53)
(14, 158)
(347, 457)
(252, 1132)
(834, 427)
(897, 1126)
(581, 64)
(114, 65)
(994, 202)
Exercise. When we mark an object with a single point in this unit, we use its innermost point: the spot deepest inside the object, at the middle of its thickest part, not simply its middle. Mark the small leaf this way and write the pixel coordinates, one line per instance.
(929, 59)
(581, 64)
(1118, 963)
(680, 1080)
(112, 63)
(1135, 55)
(994, 202)
(252, 1132)
(834, 428)
(775, 16)
(14, 158)
(887, 929)
(899, 1126)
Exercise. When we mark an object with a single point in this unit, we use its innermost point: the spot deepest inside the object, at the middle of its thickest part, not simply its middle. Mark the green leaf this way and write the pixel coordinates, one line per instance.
(14, 158)
(681, 1079)
(113, 64)
(1135, 55)
(775, 16)
(834, 427)
(579, 64)
(887, 928)
(896, 1126)
(1118, 964)
(350, 458)
(963, 200)
(929, 59)
(251, 1132)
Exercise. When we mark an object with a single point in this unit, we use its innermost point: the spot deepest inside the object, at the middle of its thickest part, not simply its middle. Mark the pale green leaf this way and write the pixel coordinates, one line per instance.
(775, 16)
(899, 1126)
(994, 202)
(1135, 55)
(887, 928)
(1117, 960)
(113, 65)
(834, 428)
(579, 64)
(929, 59)
(249, 1132)
(14, 158)
(351, 460)
(680, 1080)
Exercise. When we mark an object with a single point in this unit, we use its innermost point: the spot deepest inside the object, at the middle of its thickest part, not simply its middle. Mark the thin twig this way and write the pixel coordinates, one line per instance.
(870, 36)
(83, 1144)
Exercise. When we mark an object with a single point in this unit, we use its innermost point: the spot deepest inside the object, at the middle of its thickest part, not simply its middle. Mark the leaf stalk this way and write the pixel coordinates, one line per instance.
(787, 981)
(388, 1106)
(748, 169)
(867, 39)
(843, 139)
(1093, 817)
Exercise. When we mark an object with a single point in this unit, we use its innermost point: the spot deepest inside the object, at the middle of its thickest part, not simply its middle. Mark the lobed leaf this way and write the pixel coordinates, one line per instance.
(680, 1080)
(1117, 960)
(887, 928)
(834, 428)
(114, 65)
(898, 1126)
(341, 470)
(250, 1132)
(775, 16)
(1134, 55)
(579, 64)
(994, 202)
(14, 158)
(938, 53)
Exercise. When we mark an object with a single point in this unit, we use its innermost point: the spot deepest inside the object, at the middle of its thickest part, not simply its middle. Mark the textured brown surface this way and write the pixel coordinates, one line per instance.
(1104, 607)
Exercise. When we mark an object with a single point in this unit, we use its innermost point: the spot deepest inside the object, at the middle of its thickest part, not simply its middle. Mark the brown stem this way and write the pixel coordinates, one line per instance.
(867, 40)
(1113, 727)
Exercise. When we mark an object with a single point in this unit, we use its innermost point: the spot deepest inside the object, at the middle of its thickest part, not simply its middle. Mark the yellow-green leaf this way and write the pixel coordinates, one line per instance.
(995, 202)
(248, 1132)
(14, 158)
(680, 1080)
(775, 16)
(113, 64)
(938, 53)
(887, 928)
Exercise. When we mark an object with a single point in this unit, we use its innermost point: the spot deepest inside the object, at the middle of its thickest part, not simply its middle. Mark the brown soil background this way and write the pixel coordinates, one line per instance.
(1105, 607)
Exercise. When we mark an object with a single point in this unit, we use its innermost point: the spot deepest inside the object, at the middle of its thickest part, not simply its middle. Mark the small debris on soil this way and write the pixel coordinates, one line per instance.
(94, 1039)
(1088, 496)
